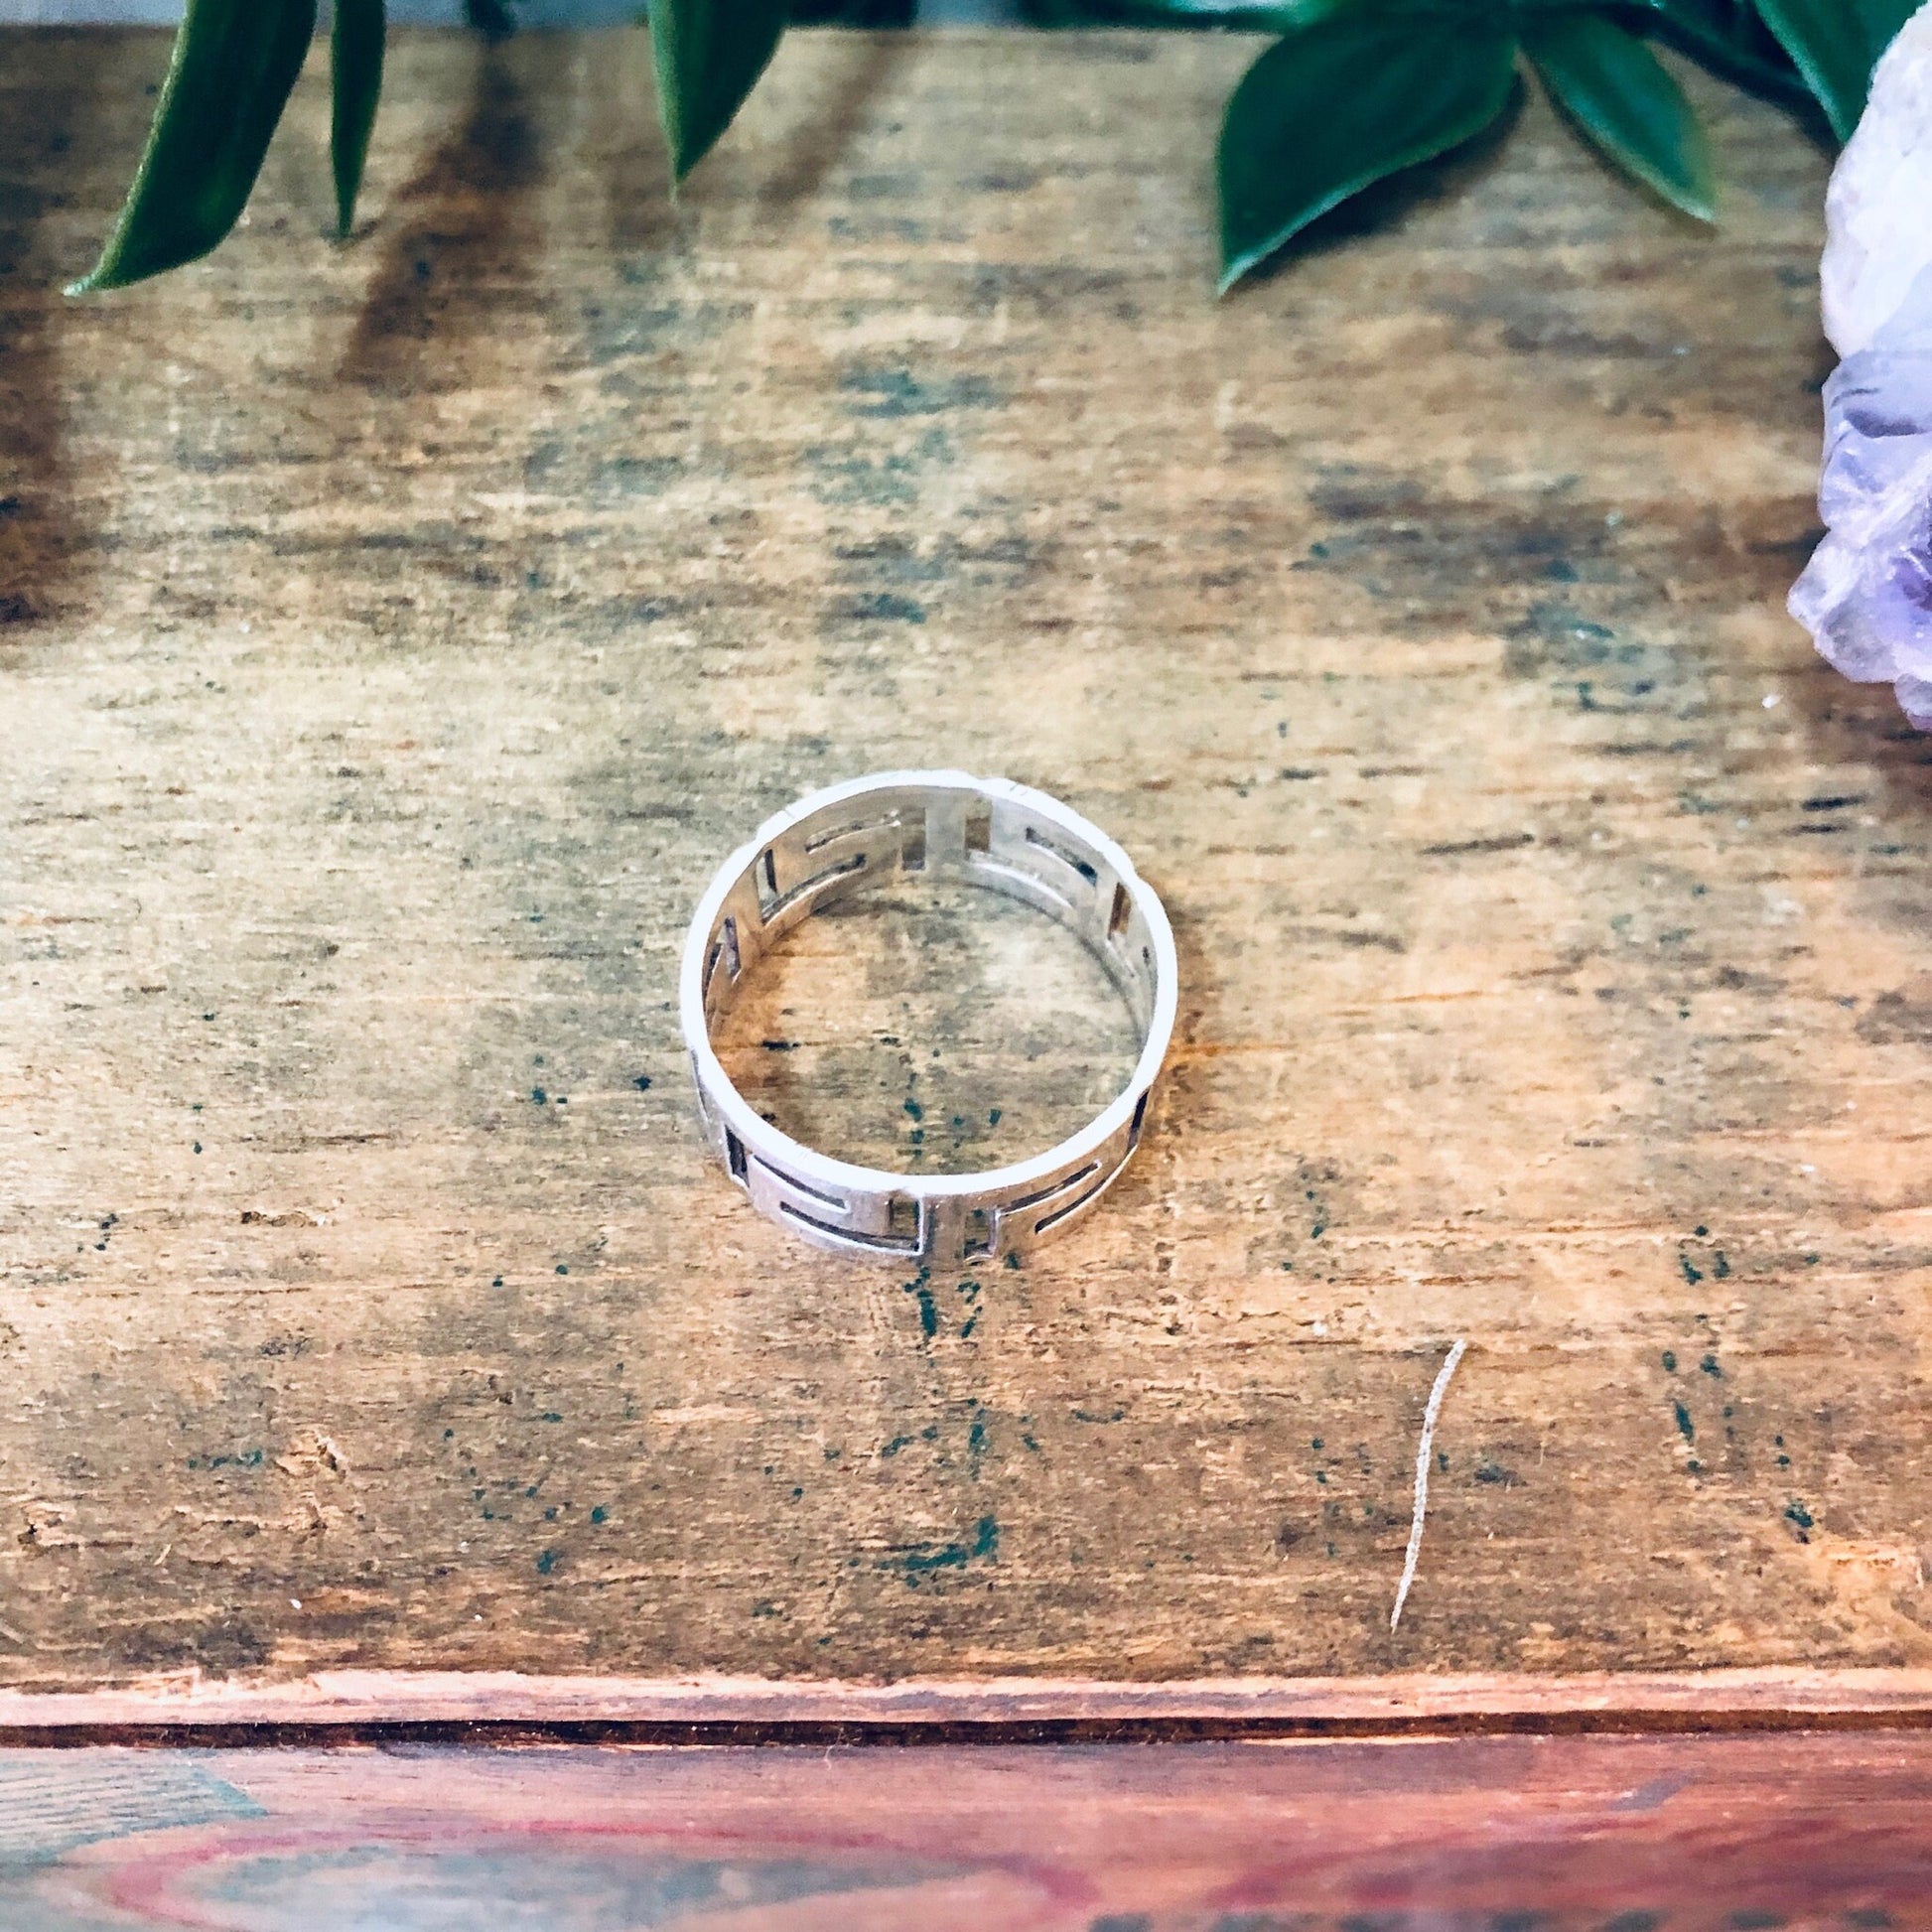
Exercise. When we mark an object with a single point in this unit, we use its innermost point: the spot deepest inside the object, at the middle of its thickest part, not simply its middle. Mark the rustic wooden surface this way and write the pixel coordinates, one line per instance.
(348, 1705)
(1579, 1834)
(398, 633)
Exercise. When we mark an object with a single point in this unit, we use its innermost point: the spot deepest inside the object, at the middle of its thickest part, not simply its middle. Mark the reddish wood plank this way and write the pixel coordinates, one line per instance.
(1471, 1835)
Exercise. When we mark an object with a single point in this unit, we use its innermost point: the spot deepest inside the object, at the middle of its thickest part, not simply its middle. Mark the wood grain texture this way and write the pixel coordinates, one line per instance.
(399, 634)
(1579, 1834)
(338, 1705)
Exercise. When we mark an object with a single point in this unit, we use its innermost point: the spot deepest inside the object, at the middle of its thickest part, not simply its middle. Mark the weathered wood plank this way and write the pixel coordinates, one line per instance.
(1703, 1835)
(350, 1704)
(398, 634)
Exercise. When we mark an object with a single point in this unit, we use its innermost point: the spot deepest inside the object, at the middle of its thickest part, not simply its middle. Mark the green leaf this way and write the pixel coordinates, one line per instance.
(1835, 43)
(1620, 96)
(492, 18)
(1238, 16)
(709, 54)
(1729, 38)
(234, 62)
(870, 14)
(356, 71)
(1342, 103)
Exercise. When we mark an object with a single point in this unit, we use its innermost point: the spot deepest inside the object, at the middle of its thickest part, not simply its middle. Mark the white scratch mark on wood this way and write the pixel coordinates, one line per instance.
(1423, 1450)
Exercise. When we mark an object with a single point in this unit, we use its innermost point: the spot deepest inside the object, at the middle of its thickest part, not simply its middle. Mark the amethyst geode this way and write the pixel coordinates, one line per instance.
(1867, 595)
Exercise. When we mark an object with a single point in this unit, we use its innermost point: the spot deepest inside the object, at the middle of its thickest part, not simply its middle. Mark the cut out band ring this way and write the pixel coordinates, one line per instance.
(945, 825)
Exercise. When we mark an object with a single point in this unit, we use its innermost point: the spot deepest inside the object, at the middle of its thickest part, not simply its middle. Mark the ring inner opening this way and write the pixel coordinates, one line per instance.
(929, 1025)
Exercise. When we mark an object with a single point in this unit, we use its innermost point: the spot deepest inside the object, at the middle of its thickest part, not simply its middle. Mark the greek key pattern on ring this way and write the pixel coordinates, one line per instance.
(944, 824)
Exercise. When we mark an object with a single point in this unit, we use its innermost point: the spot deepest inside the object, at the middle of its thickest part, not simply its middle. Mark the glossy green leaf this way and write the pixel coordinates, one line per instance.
(1342, 103)
(709, 54)
(1835, 43)
(356, 72)
(1730, 38)
(1620, 96)
(234, 62)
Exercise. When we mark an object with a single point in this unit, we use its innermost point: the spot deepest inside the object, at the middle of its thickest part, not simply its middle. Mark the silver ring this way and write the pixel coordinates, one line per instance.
(945, 825)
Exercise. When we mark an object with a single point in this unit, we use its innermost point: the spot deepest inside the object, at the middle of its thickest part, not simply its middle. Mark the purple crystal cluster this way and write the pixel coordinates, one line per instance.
(1867, 595)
